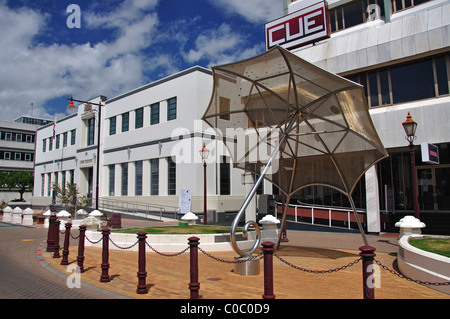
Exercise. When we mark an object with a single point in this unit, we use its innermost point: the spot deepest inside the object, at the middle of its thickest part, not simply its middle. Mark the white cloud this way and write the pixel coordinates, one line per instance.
(36, 72)
(253, 10)
(220, 46)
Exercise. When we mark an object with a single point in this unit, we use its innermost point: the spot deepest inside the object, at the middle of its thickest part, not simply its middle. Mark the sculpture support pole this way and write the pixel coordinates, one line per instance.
(361, 230)
(250, 196)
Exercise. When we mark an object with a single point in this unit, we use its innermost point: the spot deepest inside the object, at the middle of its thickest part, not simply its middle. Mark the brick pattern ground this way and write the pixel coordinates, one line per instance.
(168, 277)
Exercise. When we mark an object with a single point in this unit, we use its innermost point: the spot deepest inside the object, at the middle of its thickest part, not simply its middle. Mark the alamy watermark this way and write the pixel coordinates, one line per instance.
(74, 19)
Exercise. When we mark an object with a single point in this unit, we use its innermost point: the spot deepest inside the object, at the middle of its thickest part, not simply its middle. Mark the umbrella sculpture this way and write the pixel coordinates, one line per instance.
(315, 125)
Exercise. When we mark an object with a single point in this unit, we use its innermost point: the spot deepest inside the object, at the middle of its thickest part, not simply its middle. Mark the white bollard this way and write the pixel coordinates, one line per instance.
(17, 215)
(28, 217)
(47, 215)
(409, 226)
(269, 229)
(7, 215)
(64, 217)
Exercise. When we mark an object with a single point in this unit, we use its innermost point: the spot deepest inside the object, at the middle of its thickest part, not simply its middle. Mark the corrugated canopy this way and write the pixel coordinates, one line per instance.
(330, 137)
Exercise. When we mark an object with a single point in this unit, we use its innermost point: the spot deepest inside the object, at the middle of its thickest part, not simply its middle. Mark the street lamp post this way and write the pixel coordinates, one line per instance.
(72, 106)
(410, 129)
(204, 153)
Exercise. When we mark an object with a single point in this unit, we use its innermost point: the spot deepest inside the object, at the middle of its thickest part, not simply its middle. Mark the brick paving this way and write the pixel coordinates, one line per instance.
(168, 277)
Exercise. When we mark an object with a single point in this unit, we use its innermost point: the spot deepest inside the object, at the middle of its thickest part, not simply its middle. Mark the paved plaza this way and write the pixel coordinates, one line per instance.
(168, 277)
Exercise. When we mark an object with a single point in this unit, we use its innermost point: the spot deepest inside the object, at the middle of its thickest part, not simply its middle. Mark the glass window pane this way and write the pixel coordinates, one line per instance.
(154, 113)
(441, 74)
(384, 87)
(412, 82)
(353, 14)
(373, 89)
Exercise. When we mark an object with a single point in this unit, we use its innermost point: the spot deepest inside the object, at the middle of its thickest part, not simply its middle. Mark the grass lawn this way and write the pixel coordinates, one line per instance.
(191, 229)
(439, 246)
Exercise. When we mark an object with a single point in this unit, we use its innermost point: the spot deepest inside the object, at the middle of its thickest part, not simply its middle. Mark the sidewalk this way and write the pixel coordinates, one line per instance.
(168, 277)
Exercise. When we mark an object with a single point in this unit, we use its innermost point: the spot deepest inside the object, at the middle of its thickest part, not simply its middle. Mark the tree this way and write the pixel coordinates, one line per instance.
(69, 197)
(20, 180)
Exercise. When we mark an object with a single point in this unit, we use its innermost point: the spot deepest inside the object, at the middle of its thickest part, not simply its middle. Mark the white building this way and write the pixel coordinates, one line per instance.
(399, 50)
(149, 150)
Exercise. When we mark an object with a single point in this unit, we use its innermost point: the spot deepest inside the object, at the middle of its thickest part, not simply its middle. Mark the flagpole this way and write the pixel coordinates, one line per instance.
(53, 151)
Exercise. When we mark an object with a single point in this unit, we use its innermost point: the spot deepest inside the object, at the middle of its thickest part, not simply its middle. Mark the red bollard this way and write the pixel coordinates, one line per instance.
(142, 273)
(51, 233)
(194, 285)
(105, 256)
(65, 253)
(80, 257)
(56, 253)
(268, 269)
(367, 254)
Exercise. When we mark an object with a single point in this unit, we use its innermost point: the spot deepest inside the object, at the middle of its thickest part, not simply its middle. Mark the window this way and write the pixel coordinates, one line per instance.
(112, 125)
(354, 13)
(49, 184)
(57, 141)
(9, 136)
(139, 119)
(17, 156)
(138, 178)
(154, 177)
(28, 157)
(422, 79)
(172, 109)
(29, 138)
(42, 184)
(90, 131)
(65, 139)
(44, 145)
(72, 137)
(112, 179)
(154, 113)
(125, 122)
(50, 143)
(398, 5)
(18, 137)
(124, 179)
(225, 176)
(7, 156)
(172, 177)
(411, 82)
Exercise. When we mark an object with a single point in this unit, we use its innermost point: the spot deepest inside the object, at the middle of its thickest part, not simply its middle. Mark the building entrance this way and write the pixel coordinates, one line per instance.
(434, 191)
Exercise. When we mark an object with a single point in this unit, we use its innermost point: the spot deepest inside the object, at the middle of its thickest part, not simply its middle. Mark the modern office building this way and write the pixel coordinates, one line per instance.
(400, 51)
(150, 142)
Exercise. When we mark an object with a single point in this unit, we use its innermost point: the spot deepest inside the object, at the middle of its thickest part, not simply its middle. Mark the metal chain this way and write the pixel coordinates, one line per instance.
(446, 283)
(318, 271)
(131, 246)
(165, 254)
(92, 242)
(73, 237)
(229, 261)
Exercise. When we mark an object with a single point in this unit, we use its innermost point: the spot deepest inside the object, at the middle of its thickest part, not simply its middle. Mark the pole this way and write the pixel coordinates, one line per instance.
(97, 185)
(414, 181)
(105, 256)
(194, 285)
(65, 253)
(367, 254)
(204, 194)
(80, 257)
(142, 273)
(268, 269)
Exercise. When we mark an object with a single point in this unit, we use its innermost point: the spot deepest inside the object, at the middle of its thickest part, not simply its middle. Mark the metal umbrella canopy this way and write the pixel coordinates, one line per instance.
(294, 124)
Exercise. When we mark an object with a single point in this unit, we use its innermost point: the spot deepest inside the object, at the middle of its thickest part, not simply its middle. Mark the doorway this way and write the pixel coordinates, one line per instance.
(433, 182)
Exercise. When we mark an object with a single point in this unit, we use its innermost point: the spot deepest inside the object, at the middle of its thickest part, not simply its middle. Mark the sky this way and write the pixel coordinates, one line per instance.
(52, 49)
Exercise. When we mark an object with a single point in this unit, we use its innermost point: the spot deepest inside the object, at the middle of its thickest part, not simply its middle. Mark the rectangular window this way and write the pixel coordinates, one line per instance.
(154, 177)
(65, 139)
(112, 125)
(72, 137)
(225, 176)
(7, 156)
(154, 113)
(172, 109)
(90, 131)
(224, 108)
(29, 138)
(373, 89)
(50, 143)
(413, 81)
(58, 137)
(125, 122)
(42, 184)
(28, 157)
(44, 145)
(172, 177)
(384, 87)
(139, 118)
(138, 178)
(49, 184)
(112, 179)
(18, 156)
(124, 179)
(441, 75)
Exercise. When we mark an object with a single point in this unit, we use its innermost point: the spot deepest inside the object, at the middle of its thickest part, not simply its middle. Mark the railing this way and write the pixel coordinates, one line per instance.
(322, 212)
(135, 208)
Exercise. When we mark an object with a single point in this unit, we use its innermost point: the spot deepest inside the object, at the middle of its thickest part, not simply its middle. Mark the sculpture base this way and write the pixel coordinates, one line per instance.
(249, 267)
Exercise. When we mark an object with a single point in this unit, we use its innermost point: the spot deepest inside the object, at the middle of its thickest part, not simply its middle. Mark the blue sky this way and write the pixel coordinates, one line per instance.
(121, 44)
